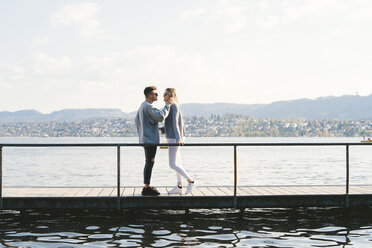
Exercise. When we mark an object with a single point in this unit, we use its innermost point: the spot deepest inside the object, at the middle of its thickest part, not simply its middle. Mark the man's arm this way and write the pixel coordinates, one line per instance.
(158, 115)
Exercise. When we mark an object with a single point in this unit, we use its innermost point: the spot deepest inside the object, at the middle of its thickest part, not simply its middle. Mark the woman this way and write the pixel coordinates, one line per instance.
(175, 134)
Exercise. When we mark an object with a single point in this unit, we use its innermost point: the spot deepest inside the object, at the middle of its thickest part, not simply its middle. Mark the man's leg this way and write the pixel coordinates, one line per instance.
(150, 152)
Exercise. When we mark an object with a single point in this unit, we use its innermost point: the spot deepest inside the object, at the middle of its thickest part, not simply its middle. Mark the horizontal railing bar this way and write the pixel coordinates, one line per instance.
(166, 144)
(169, 186)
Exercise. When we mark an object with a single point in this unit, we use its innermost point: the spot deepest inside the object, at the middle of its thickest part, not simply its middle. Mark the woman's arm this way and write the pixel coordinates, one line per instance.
(175, 119)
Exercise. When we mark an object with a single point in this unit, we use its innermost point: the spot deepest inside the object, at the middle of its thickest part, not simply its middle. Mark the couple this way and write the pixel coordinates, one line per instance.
(147, 120)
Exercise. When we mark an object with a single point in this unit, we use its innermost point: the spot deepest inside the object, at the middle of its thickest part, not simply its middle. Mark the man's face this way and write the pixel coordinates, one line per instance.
(154, 96)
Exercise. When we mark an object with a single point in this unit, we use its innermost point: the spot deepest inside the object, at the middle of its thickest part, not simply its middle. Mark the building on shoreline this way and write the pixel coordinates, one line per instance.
(229, 125)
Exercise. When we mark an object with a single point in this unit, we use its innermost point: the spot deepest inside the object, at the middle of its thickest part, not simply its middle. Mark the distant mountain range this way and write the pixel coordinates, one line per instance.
(348, 107)
(62, 115)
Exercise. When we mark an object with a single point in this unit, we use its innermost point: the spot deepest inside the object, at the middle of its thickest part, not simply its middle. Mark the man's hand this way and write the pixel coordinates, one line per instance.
(180, 143)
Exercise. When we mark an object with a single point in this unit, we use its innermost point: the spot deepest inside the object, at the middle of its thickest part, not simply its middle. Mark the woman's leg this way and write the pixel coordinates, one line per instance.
(175, 161)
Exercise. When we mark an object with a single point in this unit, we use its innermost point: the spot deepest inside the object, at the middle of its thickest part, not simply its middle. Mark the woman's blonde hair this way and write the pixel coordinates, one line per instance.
(172, 93)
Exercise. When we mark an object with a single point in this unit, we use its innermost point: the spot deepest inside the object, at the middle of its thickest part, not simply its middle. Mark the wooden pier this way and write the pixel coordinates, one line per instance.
(202, 197)
(235, 196)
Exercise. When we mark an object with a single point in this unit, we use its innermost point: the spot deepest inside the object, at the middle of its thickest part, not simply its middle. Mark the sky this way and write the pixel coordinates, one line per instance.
(101, 54)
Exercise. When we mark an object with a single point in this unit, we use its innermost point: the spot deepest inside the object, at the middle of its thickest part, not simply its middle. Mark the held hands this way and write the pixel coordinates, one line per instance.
(162, 130)
(180, 143)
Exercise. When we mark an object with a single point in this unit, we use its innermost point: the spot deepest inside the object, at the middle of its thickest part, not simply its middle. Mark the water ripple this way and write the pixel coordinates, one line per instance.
(312, 227)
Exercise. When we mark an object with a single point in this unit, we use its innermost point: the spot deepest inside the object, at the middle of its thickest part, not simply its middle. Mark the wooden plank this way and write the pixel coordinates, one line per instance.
(128, 191)
(36, 192)
(249, 191)
(64, 191)
(307, 190)
(83, 192)
(106, 192)
(196, 192)
(217, 191)
(57, 192)
(137, 191)
(31, 192)
(335, 189)
(71, 192)
(206, 191)
(94, 192)
(114, 193)
(293, 190)
(315, 190)
(227, 191)
(252, 190)
(239, 191)
(369, 187)
(268, 191)
(263, 191)
(360, 190)
(23, 192)
(9, 192)
(163, 191)
(277, 191)
(328, 190)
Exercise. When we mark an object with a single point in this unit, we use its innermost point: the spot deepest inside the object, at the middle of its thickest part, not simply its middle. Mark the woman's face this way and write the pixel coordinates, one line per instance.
(166, 96)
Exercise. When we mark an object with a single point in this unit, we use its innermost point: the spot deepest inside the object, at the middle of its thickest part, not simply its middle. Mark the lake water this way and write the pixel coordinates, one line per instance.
(302, 227)
(200, 228)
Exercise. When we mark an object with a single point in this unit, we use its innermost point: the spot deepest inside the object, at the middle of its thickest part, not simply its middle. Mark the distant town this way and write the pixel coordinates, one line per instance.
(227, 125)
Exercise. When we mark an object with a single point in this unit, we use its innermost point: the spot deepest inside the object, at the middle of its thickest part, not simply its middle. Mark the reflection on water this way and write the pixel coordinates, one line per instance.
(304, 227)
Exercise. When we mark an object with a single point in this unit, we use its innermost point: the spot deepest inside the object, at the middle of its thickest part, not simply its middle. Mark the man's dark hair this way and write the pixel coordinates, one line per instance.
(148, 90)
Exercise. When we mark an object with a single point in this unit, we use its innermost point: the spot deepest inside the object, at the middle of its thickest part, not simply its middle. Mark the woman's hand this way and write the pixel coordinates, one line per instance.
(180, 143)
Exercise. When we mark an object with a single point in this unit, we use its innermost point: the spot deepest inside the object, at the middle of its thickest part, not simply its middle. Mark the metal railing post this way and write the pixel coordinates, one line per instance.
(235, 177)
(347, 176)
(1, 178)
(118, 175)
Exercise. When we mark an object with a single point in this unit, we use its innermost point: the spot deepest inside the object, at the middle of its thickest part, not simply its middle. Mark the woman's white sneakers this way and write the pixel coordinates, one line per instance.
(189, 188)
(175, 190)
(178, 190)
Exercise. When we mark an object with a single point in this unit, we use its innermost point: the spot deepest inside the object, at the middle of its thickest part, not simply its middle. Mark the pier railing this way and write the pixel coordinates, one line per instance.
(233, 145)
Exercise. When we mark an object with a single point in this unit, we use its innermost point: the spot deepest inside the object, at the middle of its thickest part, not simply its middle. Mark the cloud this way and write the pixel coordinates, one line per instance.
(235, 16)
(44, 64)
(39, 41)
(10, 73)
(364, 13)
(193, 13)
(34, 67)
(231, 13)
(282, 13)
(83, 16)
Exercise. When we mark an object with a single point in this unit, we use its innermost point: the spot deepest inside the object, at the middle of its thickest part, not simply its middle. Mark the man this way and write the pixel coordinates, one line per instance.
(147, 120)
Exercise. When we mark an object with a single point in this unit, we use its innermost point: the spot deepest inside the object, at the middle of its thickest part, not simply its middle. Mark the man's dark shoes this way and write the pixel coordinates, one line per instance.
(150, 191)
